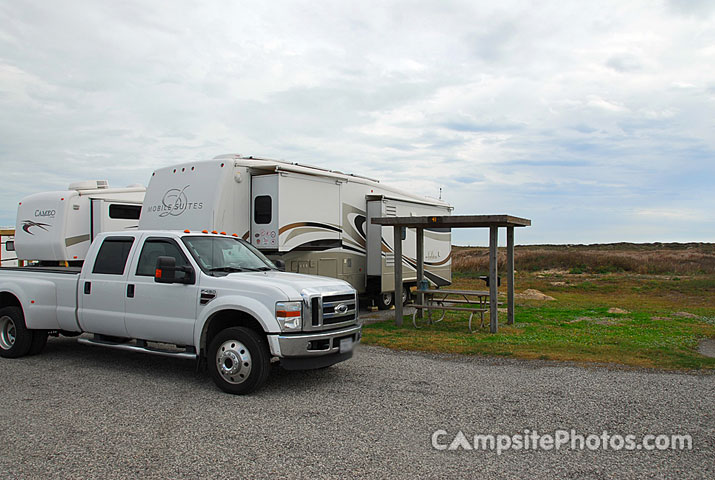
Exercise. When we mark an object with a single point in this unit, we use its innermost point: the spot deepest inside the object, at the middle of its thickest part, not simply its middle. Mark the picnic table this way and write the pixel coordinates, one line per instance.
(472, 301)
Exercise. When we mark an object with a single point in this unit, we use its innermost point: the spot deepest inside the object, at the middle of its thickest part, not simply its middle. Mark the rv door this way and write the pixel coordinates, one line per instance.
(264, 211)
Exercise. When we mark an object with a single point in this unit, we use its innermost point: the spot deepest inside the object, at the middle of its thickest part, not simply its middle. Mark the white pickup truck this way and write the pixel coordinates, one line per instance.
(196, 295)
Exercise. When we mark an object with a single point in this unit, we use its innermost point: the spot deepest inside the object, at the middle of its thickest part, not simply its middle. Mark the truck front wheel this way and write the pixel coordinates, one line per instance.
(238, 360)
(15, 338)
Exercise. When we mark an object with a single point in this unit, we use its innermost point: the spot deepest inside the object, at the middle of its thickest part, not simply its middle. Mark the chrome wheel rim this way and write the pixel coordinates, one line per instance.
(7, 333)
(233, 361)
(387, 299)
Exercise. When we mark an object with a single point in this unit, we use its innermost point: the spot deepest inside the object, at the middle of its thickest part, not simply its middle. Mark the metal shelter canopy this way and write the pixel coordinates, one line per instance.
(493, 222)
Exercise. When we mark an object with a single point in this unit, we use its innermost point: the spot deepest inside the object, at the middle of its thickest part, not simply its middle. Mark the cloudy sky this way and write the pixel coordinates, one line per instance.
(594, 119)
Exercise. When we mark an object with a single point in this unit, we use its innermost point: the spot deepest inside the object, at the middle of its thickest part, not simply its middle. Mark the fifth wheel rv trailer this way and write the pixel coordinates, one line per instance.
(58, 227)
(317, 221)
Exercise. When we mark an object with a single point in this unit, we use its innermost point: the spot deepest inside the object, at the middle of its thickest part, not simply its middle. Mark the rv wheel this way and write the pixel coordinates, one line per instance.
(405, 296)
(384, 301)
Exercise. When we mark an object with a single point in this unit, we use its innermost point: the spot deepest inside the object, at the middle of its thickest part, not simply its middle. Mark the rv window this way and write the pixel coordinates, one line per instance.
(262, 209)
(127, 212)
(154, 249)
(113, 255)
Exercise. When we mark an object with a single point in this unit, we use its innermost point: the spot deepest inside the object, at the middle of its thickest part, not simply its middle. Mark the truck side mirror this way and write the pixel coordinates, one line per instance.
(280, 265)
(165, 271)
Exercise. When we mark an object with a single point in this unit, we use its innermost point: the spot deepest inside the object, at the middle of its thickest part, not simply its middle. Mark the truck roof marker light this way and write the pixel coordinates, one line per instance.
(214, 232)
(234, 235)
(204, 231)
(187, 231)
(223, 233)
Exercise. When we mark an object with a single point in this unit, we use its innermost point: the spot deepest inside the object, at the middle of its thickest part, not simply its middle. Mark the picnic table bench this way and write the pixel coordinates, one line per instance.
(472, 301)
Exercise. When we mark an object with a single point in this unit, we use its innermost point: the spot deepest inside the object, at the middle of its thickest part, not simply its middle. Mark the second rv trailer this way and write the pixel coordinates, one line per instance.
(56, 227)
(317, 221)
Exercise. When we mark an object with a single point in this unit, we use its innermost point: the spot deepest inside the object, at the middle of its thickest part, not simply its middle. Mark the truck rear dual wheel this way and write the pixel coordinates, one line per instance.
(238, 360)
(15, 338)
(39, 340)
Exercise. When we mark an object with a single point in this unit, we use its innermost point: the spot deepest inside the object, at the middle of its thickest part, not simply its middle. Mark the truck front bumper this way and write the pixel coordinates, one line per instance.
(304, 351)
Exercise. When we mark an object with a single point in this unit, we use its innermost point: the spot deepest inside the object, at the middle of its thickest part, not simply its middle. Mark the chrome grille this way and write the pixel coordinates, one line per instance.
(330, 310)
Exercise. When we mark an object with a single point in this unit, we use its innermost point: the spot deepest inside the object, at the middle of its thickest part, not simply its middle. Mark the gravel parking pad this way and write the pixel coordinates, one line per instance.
(81, 411)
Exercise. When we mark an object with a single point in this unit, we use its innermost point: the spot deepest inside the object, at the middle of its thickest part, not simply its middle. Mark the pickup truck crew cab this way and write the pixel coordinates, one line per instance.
(207, 296)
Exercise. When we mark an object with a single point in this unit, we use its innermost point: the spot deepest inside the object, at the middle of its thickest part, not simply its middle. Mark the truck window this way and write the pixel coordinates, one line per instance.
(126, 212)
(112, 256)
(262, 209)
(155, 248)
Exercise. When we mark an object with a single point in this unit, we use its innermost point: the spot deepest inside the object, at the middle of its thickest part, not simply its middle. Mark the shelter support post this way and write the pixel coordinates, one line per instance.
(397, 249)
(493, 222)
(420, 267)
(510, 274)
(493, 286)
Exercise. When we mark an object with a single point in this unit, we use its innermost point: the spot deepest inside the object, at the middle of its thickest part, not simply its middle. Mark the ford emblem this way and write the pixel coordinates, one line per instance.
(341, 308)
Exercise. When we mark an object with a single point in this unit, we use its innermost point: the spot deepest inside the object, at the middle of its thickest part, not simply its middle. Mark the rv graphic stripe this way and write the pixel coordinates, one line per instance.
(28, 224)
(291, 226)
(353, 249)
(75, 240)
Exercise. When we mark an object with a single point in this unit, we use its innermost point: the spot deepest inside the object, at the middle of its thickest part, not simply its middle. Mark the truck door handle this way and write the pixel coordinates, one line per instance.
(130, 291)
(87, 288)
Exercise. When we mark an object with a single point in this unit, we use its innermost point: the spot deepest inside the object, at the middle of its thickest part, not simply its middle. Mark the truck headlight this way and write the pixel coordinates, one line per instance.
(289, 315)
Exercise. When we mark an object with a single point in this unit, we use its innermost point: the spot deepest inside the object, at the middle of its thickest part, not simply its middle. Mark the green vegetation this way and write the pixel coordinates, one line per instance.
(667, 316)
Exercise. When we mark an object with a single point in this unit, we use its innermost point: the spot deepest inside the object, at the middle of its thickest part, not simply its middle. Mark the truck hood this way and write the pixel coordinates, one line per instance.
(293, 284)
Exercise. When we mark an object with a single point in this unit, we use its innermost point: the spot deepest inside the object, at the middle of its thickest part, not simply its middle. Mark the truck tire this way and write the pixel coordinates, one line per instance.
(238, 360)
(384, 301)
(15, 338)
(39, 340)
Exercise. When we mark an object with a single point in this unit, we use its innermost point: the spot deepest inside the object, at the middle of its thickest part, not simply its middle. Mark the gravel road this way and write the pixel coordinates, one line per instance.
(85, 412)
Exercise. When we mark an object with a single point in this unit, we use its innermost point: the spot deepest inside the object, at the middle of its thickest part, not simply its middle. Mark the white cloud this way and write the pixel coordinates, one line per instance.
(575, 108)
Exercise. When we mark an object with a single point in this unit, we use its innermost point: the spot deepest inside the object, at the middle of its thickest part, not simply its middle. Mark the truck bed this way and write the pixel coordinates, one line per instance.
(33, 268)
(48, 295)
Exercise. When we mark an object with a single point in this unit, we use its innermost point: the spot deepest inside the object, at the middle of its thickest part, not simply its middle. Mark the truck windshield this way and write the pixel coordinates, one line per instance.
(227, 255)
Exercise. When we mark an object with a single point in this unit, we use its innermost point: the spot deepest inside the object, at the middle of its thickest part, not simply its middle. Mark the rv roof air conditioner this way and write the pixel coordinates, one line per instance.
(89, 185)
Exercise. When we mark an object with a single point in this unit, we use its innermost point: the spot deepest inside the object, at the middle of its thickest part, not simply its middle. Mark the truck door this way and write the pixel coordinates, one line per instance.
(163, 312)
(101, 292)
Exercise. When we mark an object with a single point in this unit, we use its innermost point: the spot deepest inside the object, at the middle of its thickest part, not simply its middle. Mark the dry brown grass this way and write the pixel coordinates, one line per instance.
(657, 258)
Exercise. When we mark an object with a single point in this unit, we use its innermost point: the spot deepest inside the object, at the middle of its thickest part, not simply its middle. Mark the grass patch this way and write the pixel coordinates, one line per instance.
(577, 326)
